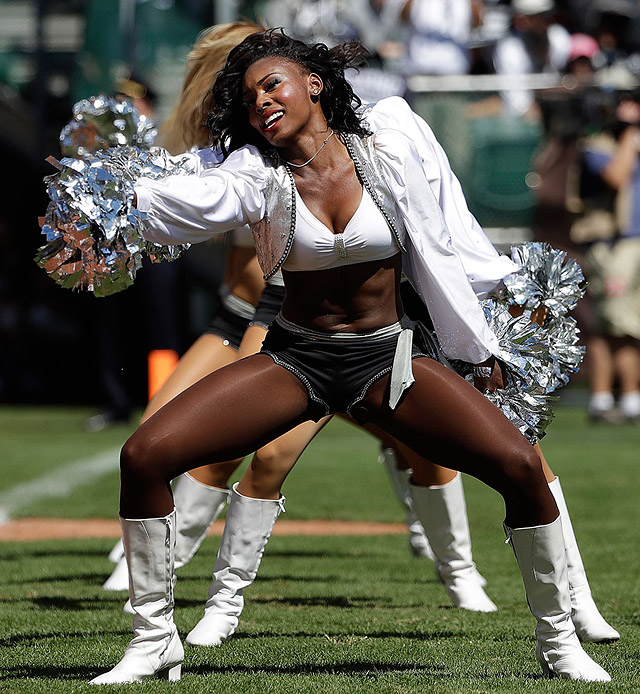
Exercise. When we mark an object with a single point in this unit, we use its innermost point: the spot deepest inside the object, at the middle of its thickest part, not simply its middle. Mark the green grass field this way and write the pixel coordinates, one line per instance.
(327, 614)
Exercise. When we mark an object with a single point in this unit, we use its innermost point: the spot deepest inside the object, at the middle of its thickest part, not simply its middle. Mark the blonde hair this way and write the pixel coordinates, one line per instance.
(186, 127)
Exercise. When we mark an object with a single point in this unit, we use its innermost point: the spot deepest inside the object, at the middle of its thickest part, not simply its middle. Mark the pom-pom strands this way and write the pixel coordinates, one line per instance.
(94, 233)
(101, 122)
(528, 370)
(566, 354)
(545, 278)
(528, 411)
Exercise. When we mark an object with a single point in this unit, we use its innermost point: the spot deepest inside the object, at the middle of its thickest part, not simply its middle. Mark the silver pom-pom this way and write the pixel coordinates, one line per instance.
(529, 412)
(94, 234)
(562, 335)
(101, 122)
(546, 277)
(528, 370)
(522, 345)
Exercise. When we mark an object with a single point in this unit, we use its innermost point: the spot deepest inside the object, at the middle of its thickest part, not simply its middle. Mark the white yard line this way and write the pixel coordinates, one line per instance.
(58, 483)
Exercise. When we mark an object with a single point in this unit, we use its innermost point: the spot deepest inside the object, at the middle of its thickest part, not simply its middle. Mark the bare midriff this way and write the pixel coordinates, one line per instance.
(356, 298)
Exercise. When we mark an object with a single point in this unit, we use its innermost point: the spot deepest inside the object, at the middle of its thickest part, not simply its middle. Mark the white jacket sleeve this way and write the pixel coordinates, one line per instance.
(485, 267)
(432, 264)
(193, 208)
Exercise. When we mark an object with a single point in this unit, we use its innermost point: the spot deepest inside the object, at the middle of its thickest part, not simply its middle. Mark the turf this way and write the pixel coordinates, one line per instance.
(327, 614)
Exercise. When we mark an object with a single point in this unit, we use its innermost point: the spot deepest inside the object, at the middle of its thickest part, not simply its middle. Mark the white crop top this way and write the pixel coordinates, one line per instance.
(315, 247)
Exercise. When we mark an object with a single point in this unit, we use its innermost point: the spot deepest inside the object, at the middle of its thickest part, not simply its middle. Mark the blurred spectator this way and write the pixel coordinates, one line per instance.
(438, 36)
(336, 21)
(376, 23)
(535, 44)
(565, 113)
(611, 32)
(610, 224)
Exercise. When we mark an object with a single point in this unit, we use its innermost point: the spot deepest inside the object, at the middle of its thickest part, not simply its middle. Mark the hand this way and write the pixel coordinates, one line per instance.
(628, 112)
(493, 382)
(538, 315)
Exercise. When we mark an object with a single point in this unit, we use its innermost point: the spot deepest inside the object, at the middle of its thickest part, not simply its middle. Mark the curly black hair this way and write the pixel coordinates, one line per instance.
(228, 122)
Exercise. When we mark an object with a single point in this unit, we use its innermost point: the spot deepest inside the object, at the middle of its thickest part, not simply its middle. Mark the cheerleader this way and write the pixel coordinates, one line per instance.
(341, 210)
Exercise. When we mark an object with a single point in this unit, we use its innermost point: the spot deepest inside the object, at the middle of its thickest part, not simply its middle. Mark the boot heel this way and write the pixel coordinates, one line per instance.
(547, 671)
(171, 673)
(544, 665)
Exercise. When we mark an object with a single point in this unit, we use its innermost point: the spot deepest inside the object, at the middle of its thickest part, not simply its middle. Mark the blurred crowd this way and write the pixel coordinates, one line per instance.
(570, 67)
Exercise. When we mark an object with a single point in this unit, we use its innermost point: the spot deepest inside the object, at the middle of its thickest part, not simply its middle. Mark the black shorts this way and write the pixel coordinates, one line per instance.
(227, 325)
(337, 373)
(268, 306)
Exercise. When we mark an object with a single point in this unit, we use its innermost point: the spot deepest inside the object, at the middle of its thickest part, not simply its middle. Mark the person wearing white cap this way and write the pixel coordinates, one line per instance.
(535, 45)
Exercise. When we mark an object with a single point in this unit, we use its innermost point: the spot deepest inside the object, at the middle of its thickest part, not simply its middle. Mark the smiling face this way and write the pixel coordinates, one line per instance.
(281, 98)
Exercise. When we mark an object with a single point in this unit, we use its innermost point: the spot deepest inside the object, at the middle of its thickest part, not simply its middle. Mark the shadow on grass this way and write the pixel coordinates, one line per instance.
(323, 601)
(58, 672)
(414, 635)
(26, 639)
(319, 601)
(7, 554)
(57, 602)
(369, 669)
(87, 578)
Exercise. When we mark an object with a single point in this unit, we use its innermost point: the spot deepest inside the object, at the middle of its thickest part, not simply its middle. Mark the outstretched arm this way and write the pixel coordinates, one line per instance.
(190, 209)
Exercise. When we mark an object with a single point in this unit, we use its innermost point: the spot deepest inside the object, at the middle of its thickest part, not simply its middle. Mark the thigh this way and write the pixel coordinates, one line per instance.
(446, 420)
(251, 341)
(228, 414)
(205, 355)
(272, 463)
(425, 473)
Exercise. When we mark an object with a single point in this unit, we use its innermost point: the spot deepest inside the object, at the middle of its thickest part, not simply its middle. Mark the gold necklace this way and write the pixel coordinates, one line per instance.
(299, 166)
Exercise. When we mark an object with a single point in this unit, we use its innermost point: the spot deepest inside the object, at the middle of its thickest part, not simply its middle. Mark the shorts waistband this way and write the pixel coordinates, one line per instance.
(379, 334)
(276, 280)
(236, 305)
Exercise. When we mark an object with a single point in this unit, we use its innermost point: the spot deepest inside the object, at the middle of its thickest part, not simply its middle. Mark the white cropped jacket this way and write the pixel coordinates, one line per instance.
(446, 256)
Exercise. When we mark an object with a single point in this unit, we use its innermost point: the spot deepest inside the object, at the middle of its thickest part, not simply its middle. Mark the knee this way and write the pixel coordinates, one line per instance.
(137, 457)
(525, 467)
(272, 458)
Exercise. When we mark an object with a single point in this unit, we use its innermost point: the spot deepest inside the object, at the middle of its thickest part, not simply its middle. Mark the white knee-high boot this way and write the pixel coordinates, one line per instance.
(589, 623)
(541, 558)
(119, 577)
(117, 552)
(443, 513)
(197, 507)
(155, 650)
(246, 533)
(418, 542)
